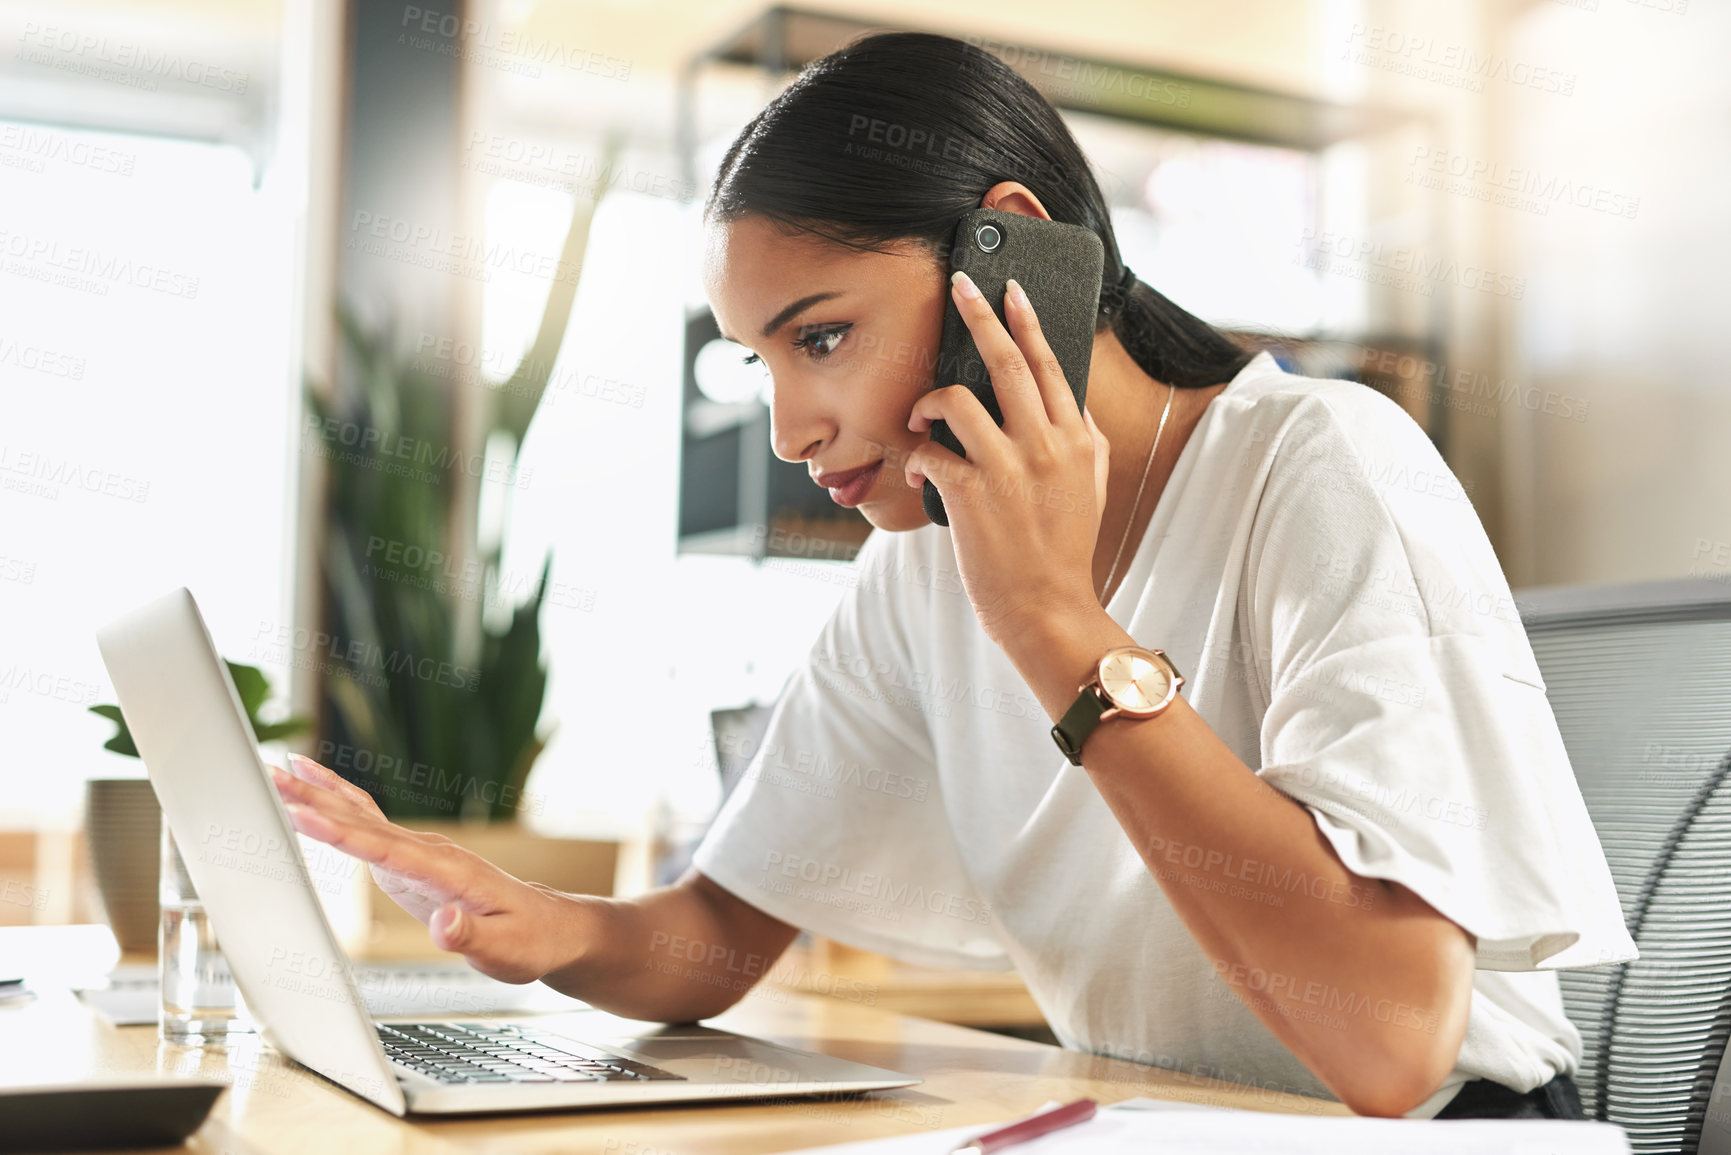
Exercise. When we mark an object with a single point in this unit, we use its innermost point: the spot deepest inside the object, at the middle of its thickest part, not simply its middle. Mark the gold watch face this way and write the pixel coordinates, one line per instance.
(1136, 680)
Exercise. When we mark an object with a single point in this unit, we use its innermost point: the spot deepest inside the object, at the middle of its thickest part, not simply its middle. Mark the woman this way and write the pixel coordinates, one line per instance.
(1336, 864)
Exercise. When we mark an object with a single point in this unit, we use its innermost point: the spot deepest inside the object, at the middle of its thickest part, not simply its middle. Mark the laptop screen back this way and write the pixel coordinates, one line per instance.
(238, 844)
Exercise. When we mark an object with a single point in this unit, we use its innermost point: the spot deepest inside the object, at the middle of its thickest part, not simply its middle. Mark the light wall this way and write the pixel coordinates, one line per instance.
(1626, 312)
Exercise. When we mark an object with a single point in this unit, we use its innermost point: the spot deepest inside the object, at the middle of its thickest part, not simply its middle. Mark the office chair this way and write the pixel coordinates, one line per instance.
(1639, 677)
(738, 732)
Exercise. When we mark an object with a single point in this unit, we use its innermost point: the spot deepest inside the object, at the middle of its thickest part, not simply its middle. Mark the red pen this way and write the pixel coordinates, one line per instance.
(1032, 1127)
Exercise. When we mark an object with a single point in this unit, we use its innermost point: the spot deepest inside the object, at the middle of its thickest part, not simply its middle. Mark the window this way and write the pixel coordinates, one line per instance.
(147, 418)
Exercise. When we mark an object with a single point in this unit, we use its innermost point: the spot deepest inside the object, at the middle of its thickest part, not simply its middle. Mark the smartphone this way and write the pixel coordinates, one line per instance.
(1058, 266)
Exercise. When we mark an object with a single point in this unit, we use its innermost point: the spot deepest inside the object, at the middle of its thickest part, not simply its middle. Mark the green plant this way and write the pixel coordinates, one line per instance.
(433, 691)
(254, 690)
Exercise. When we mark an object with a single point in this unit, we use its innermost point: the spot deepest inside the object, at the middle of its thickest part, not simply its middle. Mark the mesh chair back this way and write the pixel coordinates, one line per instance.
(1639, 677)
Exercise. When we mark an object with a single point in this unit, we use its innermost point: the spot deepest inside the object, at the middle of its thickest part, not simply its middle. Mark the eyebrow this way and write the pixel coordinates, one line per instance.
(789, 313)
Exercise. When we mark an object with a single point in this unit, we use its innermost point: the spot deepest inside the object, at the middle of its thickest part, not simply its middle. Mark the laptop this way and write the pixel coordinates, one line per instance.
(245, 859)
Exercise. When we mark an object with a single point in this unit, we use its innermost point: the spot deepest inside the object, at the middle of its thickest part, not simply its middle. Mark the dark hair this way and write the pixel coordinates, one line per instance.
(896, 135)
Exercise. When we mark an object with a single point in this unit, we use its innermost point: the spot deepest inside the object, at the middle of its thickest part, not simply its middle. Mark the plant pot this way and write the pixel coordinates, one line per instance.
(581, 866)
(123, 828)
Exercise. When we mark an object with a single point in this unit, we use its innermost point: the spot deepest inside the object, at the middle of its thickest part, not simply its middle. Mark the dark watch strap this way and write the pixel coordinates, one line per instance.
(1079, 721)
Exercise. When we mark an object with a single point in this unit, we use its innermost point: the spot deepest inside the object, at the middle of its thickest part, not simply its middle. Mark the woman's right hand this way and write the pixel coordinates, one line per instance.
(512, 930)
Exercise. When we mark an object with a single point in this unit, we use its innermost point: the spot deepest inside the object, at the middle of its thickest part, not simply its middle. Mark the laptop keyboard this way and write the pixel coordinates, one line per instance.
(429, 989)
(505, 1053)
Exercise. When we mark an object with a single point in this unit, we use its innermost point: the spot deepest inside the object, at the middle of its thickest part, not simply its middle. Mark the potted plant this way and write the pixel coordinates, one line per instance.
(432, 690)
(123, 823)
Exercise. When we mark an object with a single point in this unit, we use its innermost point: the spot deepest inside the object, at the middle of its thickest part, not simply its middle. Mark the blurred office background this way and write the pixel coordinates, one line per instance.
(1507, 214)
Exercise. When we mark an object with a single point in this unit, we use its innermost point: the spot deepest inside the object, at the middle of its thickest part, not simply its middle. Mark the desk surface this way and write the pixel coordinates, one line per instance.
(273, 1105)
(968, 998)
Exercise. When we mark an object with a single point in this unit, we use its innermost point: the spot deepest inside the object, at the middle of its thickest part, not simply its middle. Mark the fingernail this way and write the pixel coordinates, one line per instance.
(965, 283)
(1016, 294)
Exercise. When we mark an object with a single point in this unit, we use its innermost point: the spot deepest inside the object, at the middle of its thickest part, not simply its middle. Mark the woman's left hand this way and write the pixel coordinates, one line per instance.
(1025, 504)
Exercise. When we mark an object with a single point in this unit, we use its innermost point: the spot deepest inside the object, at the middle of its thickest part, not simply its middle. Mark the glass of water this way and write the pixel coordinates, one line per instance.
(200, 1004)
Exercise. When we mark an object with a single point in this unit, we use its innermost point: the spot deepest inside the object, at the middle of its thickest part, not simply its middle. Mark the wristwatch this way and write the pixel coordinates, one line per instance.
(1129, 680)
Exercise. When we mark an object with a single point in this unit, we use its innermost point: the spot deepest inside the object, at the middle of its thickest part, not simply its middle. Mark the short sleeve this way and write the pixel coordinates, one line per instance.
(838, 825)
(1405, 708)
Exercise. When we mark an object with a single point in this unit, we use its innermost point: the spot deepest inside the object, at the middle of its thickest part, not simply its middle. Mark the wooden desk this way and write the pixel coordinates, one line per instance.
(274, 1106)
(967, 998)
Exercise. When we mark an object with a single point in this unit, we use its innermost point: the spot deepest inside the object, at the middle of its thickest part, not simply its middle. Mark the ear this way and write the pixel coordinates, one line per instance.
(1011, 196)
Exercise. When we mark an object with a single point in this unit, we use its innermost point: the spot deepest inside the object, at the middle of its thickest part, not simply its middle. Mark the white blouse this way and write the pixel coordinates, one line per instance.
(1319, 576)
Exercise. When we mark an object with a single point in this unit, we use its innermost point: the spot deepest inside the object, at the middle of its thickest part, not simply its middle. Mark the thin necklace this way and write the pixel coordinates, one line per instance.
(1113, 572)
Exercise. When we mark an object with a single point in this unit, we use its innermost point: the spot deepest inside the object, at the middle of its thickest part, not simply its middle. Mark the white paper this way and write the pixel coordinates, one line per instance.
(128, 998)
(1144, 1125)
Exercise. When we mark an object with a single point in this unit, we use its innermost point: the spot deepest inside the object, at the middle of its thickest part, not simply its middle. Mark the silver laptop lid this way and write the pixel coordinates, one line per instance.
(239, 846)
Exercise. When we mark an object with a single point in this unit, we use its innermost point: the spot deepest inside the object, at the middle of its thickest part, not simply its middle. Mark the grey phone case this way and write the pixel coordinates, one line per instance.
(1058, 266)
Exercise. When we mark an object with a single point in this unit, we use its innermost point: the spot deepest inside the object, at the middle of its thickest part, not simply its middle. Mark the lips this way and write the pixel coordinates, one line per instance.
(838, 480)
(849, 487)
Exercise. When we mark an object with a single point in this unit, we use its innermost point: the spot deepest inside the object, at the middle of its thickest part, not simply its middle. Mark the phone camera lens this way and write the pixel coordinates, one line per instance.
(988, 238)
